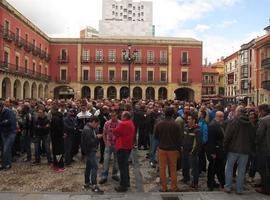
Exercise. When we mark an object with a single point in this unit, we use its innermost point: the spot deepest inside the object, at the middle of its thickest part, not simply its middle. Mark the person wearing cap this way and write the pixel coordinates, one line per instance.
(238, 142)
(8, 129)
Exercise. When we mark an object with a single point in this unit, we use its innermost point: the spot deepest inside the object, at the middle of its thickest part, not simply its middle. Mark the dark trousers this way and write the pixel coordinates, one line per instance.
(264, 170)
(202, 160)
(90, 175)
(26, 145)
(186, 166)
(215, 167)
(68, 148)
(252, 166)
(102, 149)
(76, 143)
(122, 158)
(143, 140)
(46, 140)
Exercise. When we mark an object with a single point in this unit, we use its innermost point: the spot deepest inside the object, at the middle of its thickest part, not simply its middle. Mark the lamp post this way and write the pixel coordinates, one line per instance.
(129, 56)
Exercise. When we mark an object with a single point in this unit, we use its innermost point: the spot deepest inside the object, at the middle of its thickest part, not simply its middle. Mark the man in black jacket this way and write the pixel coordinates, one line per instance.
(42, 130)
(215, 153)
(89, 144)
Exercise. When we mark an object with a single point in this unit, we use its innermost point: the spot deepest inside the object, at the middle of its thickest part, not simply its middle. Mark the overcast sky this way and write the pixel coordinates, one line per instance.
(222, 25)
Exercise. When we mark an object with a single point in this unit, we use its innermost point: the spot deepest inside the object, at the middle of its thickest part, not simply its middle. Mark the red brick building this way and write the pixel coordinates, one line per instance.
(34, 65)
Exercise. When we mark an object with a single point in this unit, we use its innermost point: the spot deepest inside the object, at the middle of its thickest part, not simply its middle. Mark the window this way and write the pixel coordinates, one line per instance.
(268, 52)
(184, 77)
(150, 57)
(125, 17)
(121, 14)
(121, 7)
(34, 67)
(116, 7)
(113, 6)
(137, 75)
(39, 70)
(134, 7)
(129, 19)
(86, 56)
(163, 76)
(150, 76)
(138, 58)
(134, 15)
(244, 71)
(112, 12)
(184, 57)
(130, 5)
(124, 75)
(116, 14)
(111, 75)
(163, 57)
(99, 55)
(112, 53)
(129, 12)
(25, 66)
(40, 46)
(17, 62)
(17, 34)
(142, 6)
(46, 70)
(6, 58)
(26, 37)
(99, 75)
(125, 10)
(34, 43)
(63, 54)
(141, 13)
(6, 30)
(63, 75)
(85, 75)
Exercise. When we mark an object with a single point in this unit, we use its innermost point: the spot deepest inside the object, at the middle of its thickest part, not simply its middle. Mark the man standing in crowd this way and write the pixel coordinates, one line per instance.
(89, 144)
(238, 143)
(42, 134)
(8, 133)
(169, 135)
(215, 153)
(124, 134)
(191, 147)
(109, 140)
(263, 148)
(204, 138)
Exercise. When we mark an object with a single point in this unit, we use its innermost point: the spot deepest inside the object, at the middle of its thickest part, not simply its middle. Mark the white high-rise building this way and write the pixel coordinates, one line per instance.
(126, 18)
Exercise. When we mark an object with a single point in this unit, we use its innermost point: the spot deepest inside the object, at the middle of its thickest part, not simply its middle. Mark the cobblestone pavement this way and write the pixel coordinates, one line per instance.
(25, 178)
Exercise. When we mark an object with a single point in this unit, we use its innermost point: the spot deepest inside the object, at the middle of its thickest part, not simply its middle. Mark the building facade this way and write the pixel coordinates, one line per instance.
(126, 18)
(89, 32)
(36, 66)
(231, 81)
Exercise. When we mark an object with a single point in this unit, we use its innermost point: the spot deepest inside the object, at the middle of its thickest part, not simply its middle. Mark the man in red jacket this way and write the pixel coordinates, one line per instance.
(124, 134)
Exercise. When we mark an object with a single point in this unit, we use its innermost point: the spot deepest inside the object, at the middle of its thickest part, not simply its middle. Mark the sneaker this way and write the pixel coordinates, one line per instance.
(152, 164)
(116, 178)
(97, 190)
(60, 170)
(121, 189)
(227, 190)
(5, 168)
(102, 181)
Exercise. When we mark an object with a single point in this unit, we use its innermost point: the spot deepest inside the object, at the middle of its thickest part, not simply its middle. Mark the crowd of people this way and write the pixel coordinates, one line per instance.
(197, 138)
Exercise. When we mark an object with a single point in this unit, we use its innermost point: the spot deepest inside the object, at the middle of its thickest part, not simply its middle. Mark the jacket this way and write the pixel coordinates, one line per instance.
(69, 126)
(25, 123)
(7, 122)
(89, 140)
(239, 137)
(124, 133)
(203, 131)
(263, 137)
(215, 139)
(42, 126)
(168, 133)
(192, 140)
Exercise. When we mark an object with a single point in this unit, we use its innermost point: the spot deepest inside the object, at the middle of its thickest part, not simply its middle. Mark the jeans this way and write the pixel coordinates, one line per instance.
(195, 168)
(8, 140)
(122, 157)
(153, 147)
(90, 175)
(109, 150)
(241, 160)
(26, 145)
(186, 166)
(46, 141)
(202, 160)
(68, 148)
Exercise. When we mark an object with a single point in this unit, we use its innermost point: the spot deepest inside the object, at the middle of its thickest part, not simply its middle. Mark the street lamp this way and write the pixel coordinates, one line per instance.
(129, 56)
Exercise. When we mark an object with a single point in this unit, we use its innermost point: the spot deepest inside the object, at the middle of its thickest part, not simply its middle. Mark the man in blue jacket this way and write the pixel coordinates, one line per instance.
(8, 134)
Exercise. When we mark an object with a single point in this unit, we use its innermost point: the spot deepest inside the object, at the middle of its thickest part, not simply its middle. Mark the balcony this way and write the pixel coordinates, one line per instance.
(185, 82)
(138, 61)
(22, 71)
(36, 51)
(47, 57)
(150, 61)
(209, 82)
(62, 80)
(99, 60)
(230, 81)
(185, 62)
(266, 85)
(265, 63)
(163, 61)
(27, 46)
(62, 59)
(8, 35)
(85, 60)
(112, 60)
(18, 41)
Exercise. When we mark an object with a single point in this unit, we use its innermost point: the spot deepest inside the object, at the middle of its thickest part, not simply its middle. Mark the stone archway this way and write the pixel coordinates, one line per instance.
(34, 91)
(17, 89)
(40, 91)
(124, 92)
(86, 92)
(98, 93)
(26, 90)
(162, 93)
(64, 92)
(6, 88)
(184, 94)
(137, 93)
(111, 92)
(46, 91)
(150, 93)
